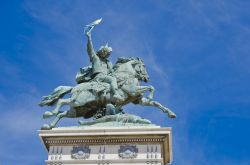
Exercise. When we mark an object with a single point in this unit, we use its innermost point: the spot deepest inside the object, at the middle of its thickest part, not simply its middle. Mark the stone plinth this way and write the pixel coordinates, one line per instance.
(108, 145)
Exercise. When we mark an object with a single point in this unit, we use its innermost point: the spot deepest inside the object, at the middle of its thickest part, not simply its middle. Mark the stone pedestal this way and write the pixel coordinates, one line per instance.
(108, 145)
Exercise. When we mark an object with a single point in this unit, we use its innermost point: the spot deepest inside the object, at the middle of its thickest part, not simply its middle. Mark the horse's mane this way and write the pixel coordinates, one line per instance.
(122, 60)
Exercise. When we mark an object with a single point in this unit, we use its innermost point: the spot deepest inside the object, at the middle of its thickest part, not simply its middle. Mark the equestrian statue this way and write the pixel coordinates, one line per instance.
(103, 89)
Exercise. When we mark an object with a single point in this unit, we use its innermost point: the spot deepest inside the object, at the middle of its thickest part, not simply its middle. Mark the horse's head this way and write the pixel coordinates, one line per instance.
(133, 65)
(140, 69)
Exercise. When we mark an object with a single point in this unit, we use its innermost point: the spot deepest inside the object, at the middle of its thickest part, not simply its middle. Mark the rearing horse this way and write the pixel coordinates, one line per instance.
(86, 98)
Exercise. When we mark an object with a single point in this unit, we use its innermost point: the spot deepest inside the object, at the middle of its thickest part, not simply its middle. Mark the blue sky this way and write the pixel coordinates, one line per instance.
(196, 52)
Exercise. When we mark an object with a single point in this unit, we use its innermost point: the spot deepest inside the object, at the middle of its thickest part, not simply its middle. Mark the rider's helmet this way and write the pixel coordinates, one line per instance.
(104, 51)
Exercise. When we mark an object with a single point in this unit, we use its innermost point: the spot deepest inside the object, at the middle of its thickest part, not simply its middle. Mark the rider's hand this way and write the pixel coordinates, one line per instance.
(88, 33)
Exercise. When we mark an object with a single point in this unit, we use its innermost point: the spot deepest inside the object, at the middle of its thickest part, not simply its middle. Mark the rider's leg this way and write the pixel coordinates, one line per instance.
(114, 88)
(113, 84)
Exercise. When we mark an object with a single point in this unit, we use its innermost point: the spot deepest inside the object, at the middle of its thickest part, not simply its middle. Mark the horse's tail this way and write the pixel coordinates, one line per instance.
(58, 93)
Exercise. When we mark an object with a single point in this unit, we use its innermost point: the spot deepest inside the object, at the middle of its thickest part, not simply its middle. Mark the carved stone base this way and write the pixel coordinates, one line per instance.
(139, 145)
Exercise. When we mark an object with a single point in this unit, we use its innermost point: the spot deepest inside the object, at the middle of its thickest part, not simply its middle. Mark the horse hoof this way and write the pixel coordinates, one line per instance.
(172, 115)
(47, 114)
(46, 127)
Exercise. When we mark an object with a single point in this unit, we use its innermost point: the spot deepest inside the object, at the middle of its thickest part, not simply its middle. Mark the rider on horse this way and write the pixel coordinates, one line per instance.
(101, 66)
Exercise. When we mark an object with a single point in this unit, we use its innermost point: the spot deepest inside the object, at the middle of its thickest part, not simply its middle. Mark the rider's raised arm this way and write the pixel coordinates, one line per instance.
(90, 49)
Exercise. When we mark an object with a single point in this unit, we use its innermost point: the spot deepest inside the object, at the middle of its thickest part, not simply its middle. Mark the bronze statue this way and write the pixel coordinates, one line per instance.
(101, 66)
(103, 90)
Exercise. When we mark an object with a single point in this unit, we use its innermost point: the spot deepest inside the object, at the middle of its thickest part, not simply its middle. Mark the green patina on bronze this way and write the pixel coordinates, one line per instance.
(102, 89)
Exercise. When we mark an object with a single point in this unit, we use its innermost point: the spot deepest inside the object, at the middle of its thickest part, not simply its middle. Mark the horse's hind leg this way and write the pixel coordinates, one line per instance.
(58, 117)
(69, 114)
(55, 121)
(59, 104)
(147, 102)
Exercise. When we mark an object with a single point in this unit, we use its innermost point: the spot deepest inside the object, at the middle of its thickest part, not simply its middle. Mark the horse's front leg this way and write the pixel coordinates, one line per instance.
(151, 92)
(59, 104)
(139, 90)
(147, 102)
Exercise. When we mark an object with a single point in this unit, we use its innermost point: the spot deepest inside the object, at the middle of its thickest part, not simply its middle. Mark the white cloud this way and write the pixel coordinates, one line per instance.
(21, 116)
